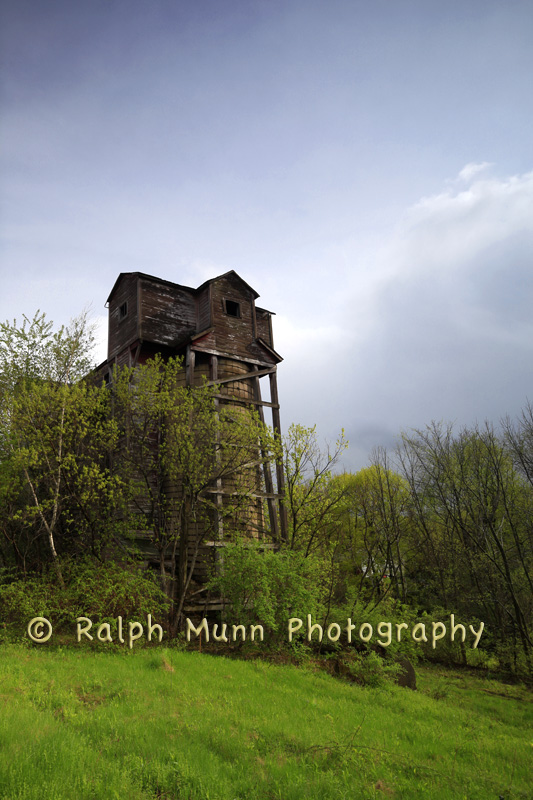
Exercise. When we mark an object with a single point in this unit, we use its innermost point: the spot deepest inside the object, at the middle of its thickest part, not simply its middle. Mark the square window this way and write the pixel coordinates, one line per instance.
(233, 309)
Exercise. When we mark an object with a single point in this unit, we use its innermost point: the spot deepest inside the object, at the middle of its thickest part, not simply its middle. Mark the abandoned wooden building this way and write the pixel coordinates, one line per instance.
(223, 338)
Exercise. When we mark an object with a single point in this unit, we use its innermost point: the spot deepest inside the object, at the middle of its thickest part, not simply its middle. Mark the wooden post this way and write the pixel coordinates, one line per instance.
(269, 486)
(279, 462)
(213, 375)
(189, 365)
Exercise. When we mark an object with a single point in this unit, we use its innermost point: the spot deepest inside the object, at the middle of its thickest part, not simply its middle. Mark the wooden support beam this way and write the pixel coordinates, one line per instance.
(213, 375)
(213, 368)
(212, 490)
(137, 353)
(269, 485)
(189, 365)
(230, 399)
(231, 356)
(244, 376)
(284, 525)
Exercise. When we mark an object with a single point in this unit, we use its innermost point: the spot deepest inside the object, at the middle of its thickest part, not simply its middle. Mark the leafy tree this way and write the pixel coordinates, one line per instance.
(473, 512)
(192, 468)
(82, 464)
(376, 521)
(33, 351)
(55, 433)
(312, 497)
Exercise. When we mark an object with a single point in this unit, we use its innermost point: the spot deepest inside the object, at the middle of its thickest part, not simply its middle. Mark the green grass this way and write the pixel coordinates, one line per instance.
(159, 723)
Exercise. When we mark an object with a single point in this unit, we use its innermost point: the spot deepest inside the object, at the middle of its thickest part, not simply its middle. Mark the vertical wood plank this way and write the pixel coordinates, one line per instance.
(269, 485)
(279, 462)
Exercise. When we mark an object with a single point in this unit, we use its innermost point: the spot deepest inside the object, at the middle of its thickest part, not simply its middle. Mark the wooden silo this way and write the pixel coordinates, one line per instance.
(223, 337)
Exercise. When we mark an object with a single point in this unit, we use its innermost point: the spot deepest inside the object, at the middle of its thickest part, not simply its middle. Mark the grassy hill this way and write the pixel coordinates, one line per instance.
(158, 723)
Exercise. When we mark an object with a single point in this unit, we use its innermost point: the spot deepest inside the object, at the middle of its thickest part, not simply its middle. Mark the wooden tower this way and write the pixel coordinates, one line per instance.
(221, 335)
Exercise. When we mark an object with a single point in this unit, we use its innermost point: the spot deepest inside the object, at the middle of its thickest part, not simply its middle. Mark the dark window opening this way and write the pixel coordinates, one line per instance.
(123, 310)
(233, 309)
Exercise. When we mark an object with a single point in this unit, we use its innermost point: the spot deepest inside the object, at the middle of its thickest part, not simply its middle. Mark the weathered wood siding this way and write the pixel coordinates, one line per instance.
(123, 329)
(203, 302)
(233, 334)
(168, 312)
(264, 329)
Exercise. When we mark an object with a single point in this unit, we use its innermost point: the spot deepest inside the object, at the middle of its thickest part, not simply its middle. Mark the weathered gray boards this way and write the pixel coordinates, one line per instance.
(220, 333)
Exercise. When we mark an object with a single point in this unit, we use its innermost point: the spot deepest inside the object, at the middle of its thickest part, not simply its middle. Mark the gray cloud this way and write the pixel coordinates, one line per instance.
(449, 334)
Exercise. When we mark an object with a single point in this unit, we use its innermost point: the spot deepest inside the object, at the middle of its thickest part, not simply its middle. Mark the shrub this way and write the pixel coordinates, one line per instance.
(368, 669)
(100, 591)
(266, 587)
(446, 651)
(388, 611)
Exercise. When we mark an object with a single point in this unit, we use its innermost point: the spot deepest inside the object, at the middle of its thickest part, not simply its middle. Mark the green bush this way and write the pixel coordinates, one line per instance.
(368, 669)
(388, 611)
(456, 652)
(262, 586)
(99, 591)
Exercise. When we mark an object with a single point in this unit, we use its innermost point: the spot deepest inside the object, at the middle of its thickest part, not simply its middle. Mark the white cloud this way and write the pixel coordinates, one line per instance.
(469, 171)
(447, 327)
(296, 341)
(443, 230)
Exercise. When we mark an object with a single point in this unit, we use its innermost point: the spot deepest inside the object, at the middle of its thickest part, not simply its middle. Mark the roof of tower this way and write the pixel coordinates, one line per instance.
(155, 279)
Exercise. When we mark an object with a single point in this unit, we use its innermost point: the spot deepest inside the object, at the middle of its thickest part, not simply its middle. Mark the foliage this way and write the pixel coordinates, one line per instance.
(472, 513)
(268, 587)
(446, 523)
(177, 445)
(369, 669)
(56, 435)
(375, 548)
(100, 591)
(152, 463)
(311, 495)
(390, 611)
(450, 652)
(33, 351)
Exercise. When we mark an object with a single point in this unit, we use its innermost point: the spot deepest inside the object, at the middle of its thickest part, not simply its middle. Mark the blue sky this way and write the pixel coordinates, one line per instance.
(366, 167)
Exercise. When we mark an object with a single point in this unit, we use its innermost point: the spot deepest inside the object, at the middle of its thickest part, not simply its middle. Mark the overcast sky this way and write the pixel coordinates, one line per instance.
(366, 166)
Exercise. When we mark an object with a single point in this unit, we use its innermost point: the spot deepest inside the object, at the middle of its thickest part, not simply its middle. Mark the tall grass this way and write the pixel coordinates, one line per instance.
(164, 724)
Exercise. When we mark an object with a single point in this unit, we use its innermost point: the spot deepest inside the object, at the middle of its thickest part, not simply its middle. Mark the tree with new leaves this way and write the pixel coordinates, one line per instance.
(177, 446)
(473, 513)
(311, 496)
(313, 500)
(375, 523)
(55, 432)
(33, 351)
